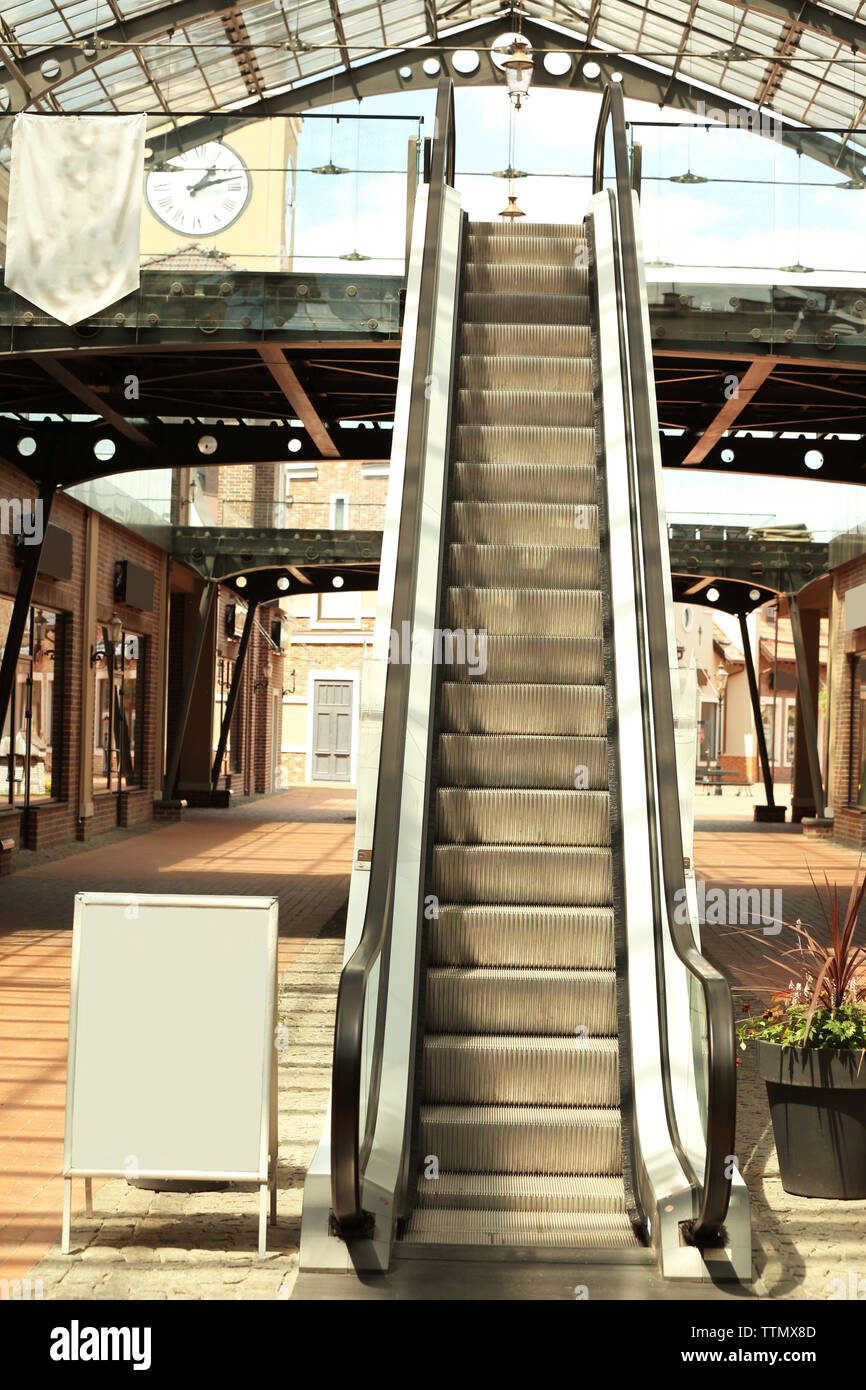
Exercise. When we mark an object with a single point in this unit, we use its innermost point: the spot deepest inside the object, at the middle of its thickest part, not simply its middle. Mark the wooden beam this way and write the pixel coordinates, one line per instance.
(750, 383)
(94, 403)
(275, 360)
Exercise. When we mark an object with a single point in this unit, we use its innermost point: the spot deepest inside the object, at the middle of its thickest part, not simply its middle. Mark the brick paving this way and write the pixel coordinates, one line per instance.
(296, 846)
(142, 1244)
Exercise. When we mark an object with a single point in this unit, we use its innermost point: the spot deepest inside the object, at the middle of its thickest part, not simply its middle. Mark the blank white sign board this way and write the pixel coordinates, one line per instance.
(171, 1038)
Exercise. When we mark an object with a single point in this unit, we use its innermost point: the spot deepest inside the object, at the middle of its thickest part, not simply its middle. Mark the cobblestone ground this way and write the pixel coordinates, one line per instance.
(202, 1245)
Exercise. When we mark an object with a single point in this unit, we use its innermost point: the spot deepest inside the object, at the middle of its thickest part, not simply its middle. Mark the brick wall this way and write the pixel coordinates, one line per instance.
(46, 824)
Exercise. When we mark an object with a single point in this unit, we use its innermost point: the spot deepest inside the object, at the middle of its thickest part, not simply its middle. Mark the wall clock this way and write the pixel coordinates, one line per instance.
(200, 192)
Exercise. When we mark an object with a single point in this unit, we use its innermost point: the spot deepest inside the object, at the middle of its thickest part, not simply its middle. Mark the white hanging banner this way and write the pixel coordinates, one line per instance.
(74, 221)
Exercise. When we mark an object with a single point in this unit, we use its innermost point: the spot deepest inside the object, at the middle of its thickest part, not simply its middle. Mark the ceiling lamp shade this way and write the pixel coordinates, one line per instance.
(510, 173)
(688, 177)
(511, 209)
(330, 168)
(354, 256)
(518, 71)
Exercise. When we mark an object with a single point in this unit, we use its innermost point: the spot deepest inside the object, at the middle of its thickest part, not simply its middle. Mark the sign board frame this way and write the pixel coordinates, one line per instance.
(86, 981)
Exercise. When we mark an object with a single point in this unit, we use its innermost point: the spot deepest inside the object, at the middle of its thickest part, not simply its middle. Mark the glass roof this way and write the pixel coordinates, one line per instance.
(804, 61)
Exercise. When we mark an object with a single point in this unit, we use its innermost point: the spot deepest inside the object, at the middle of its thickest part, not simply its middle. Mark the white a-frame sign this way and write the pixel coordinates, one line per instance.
(172, 1031)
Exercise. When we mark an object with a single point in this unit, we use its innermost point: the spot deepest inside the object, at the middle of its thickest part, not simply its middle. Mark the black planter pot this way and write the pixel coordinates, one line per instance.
(818, 1108)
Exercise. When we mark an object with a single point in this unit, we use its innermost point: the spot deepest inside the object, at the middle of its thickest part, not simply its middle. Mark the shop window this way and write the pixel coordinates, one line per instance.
(858, 740)
(118, 675)
(224, 674)
(30, 744)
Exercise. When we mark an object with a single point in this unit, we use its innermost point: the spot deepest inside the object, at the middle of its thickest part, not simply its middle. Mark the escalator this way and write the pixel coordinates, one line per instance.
(520, 1087)
(532, 1057)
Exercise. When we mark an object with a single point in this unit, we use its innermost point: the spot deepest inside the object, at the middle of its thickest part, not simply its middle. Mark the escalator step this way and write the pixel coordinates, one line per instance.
(484, 248)
(502, 231)
(547, 309)
(489, 276)
(499, 816)
(576, 1230)
(501, 657)
(523, 566)
(522, 709)
(523, 373)
(486, 407)
(549, 612)
(521, 1192)
(521, 1071)
(496, 999)
(515, 523)
(549, 876)
(524, 482)
(523, 1139)
(528, 760)
(535, 341)
(563, 444)
(567, 937)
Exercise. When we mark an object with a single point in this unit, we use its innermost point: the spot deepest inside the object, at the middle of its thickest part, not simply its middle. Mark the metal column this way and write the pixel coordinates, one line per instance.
(235, 686)
(806, 707)
(756, 710)
(206, 602)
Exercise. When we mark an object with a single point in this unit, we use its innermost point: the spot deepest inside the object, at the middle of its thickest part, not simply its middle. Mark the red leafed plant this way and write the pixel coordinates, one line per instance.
(825, 1003)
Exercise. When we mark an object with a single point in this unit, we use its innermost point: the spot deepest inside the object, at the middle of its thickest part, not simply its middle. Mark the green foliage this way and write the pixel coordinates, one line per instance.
(825, 1003)
(788, 1026)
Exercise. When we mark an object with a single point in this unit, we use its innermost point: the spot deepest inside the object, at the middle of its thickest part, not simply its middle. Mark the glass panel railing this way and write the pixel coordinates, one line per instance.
(315, 199)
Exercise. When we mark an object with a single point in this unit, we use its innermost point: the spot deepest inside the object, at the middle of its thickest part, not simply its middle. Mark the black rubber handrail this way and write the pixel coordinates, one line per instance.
(713, 1192)
(349, 1218)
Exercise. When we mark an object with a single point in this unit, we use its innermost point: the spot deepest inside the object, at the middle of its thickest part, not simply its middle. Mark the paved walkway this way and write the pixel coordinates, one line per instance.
(142, 1244)
(804, 1248)
(296, 846)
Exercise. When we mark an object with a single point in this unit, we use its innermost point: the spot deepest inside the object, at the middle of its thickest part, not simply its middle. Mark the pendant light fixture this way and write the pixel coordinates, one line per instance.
(511, 210)
(798, 268)
(331, 167)
(355, 254)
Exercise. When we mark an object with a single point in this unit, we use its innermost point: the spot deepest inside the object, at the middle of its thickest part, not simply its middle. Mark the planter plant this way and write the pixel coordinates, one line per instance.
(811, 1041)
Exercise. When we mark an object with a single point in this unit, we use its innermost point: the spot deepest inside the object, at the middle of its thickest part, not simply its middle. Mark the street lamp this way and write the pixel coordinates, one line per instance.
(722, 674)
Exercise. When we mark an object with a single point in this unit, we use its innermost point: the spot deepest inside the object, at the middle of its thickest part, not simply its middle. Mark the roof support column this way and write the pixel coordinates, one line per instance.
(770, 812)
(235, 686)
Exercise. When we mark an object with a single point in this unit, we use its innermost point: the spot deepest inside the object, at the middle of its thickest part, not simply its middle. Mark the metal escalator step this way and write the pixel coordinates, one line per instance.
(482, 247)
(563, 444)
(550, 231)
(550, 612)
(495, 999)
(521, 1192)
(523, 1139)
(567, 1230)
(565, 937)
(527, 760)
(488, 407)
(522, 709)
(516, 566)
(520, 1071)
(547, 309)
(549, 876)
(479, 372)
(517, 523)
(493, 276)
(521, 816)
(534, 341)
(525, 482)
(508, 657)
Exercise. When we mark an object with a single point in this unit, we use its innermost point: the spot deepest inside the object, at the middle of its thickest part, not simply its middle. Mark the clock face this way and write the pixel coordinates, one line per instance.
(200, 192)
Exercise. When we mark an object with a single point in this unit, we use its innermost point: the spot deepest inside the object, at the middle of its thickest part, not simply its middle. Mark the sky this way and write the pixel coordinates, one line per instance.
(764, 208)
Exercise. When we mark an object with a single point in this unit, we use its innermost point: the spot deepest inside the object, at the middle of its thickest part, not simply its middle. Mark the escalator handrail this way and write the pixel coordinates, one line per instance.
(349, 1217)
(715, 1188)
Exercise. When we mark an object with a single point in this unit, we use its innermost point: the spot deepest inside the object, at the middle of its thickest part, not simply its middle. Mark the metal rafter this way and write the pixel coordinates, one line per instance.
(640, 83)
